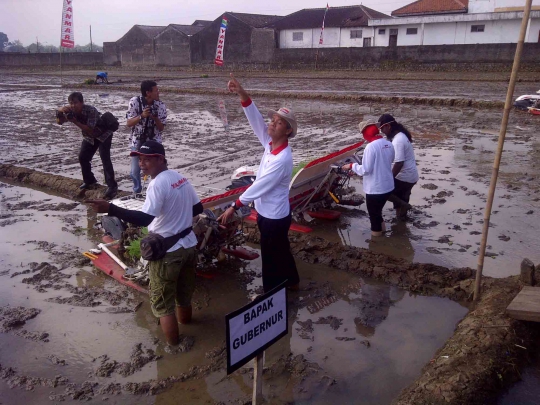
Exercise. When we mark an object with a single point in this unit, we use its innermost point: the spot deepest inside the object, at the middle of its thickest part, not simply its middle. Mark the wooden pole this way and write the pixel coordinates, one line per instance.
(502, 135)
(257, 380)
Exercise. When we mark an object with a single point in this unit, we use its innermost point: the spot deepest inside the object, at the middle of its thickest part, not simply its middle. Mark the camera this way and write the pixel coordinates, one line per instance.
(69, 115)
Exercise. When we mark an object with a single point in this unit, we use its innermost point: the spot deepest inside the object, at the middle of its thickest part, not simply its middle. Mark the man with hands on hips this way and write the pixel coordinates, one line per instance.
(270, 191)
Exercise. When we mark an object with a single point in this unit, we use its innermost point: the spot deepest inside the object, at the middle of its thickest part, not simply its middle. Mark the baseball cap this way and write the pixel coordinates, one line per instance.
(287, 115)
(150, 148)
(385, 119)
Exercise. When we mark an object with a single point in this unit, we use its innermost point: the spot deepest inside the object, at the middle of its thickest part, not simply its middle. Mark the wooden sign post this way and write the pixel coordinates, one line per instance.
(254, 328)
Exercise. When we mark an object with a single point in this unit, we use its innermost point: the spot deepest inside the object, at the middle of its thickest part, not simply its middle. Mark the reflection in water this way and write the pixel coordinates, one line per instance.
(396, 243)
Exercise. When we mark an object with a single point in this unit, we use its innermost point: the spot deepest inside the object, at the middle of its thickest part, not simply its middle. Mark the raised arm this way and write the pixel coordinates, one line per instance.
(253, 115)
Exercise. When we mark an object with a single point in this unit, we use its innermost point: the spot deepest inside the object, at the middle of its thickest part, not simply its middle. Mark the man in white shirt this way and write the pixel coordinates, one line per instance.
(376, 169)
(270, 191)
(169, 208)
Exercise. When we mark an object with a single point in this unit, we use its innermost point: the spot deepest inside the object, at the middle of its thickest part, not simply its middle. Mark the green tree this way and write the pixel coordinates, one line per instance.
(15, 46)
(3, 41)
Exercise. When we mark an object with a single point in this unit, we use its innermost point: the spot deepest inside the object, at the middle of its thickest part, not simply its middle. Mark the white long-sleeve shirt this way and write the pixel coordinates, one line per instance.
(376, 167)
(270, 191)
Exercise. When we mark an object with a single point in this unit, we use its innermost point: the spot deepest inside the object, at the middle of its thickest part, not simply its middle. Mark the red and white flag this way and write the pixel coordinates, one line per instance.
(221, 42)
(322, 28)
(67, 37)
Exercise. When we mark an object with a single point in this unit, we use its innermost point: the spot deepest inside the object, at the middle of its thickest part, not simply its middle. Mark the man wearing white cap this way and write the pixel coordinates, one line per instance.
(270, 191)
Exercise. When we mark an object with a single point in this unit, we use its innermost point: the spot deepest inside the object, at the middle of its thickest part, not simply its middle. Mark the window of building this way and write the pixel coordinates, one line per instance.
(393, 31)
(297, 36)
(382, 31)
(367, 42)
(412, 31)
(356, 34)
(477, 28)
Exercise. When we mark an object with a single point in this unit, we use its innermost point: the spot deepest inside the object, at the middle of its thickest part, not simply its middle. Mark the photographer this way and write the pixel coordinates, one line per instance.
(86, 118)
(146, 116)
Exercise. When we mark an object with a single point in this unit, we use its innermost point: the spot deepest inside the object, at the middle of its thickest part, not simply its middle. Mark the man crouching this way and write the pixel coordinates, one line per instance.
(170, 205)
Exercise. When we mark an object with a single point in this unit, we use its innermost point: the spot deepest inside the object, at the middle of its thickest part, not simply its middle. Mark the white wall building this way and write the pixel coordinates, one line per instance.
(344, 27)
(433, 22)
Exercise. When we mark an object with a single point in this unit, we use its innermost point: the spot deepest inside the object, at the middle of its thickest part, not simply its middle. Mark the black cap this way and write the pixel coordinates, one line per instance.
(386, 119)
(150, 148)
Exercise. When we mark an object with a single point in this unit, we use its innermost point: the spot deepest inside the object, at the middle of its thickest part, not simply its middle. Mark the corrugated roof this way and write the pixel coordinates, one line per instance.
(202, 23)
(150, 30)
(256, 20)
(348, 16)
(186, 29)
(426, 7)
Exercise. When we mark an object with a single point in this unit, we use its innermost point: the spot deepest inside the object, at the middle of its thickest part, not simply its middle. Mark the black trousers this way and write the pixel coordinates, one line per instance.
(277, 260)
(402, 189)
(86, 154)
(375, 204)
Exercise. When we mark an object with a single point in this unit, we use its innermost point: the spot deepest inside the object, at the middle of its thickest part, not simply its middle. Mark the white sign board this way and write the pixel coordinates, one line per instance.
(255, 327)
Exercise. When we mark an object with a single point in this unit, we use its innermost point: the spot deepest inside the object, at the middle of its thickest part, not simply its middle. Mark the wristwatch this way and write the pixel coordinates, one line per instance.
(233, 205)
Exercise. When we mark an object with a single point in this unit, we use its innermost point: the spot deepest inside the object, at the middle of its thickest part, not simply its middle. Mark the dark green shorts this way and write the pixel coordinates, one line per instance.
(172, 281)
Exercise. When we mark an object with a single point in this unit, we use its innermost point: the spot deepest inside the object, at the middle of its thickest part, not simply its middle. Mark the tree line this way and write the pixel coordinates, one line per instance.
(17, 46)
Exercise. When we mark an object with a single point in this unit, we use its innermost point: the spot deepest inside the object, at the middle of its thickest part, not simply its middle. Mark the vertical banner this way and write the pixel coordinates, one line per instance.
(67, 37)
(322, 28)
(221, 42)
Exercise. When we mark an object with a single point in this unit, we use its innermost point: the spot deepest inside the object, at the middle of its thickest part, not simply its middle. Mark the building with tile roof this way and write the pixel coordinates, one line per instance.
(343, 27)
(455, 22)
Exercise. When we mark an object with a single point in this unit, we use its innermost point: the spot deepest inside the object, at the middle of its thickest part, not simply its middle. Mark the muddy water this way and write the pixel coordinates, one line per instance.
(454, 148)
(357, 337)
(478, 90)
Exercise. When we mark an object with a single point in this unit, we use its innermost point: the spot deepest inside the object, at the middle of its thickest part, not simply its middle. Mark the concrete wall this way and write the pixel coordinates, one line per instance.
(286, 39)
(172, 48)
(494, 54)
(534, 31)
(263, 44)
(111, 53)
(332, 38)
(136, 49)
(347, 41)
(51, 59)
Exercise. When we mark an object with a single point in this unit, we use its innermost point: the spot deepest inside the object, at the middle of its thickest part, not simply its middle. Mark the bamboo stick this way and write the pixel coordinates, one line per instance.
(500, 146)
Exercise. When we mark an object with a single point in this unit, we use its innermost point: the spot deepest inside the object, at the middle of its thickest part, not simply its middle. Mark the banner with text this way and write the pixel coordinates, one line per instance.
(221, 42)
(255, 327)
(67, 38)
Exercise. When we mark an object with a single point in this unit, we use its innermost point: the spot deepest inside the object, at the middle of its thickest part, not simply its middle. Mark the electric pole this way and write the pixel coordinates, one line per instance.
(91, 48)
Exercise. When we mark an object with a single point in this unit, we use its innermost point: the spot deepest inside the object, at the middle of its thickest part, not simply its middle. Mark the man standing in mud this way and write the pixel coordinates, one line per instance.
(146, 116)
(270, 191)
(86, 117)
(168, 211)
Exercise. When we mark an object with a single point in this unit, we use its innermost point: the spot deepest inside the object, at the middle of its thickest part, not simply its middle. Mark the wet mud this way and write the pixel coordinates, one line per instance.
(333, 324)
(486, 338)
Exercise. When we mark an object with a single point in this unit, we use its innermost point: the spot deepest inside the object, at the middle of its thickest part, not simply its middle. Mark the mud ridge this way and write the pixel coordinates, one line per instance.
(448, 102)
(59, 184)
(484, 354)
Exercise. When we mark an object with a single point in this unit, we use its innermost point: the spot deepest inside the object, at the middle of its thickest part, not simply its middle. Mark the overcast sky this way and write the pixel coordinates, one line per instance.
(110, 19)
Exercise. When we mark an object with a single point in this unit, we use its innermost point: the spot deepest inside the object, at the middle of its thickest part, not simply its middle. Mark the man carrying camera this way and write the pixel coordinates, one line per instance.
(146, 116)
(170, 205)
(86, 118)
